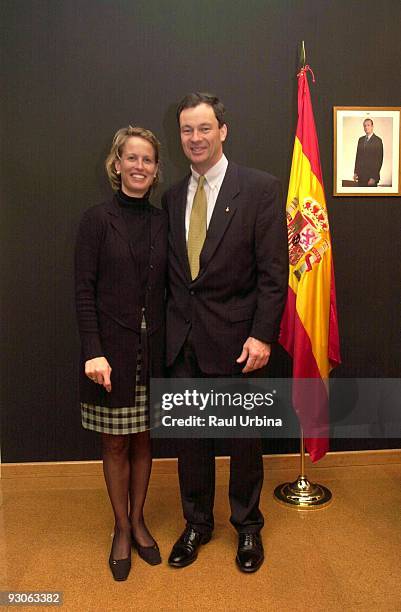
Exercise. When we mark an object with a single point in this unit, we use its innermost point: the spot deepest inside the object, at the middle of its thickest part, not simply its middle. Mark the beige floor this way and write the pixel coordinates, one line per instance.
(55, 535)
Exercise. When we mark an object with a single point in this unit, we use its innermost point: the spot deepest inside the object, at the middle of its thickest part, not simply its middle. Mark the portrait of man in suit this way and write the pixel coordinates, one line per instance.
(228, 273)
(369, 157)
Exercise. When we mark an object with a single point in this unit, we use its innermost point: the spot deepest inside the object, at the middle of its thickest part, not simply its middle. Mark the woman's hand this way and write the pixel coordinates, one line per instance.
(99, 370)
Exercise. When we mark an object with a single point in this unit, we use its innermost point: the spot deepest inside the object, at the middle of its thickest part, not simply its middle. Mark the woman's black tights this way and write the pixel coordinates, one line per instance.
(127, 463)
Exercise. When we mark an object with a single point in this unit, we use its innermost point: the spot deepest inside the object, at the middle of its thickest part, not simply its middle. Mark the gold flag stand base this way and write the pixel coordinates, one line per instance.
(302, 494)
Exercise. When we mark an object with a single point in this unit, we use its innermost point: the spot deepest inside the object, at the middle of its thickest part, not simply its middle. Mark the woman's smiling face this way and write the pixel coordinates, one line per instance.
(137, 166)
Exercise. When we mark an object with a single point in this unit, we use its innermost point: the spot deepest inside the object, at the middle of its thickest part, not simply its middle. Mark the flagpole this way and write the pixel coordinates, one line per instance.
(302, 494)
(302, 452)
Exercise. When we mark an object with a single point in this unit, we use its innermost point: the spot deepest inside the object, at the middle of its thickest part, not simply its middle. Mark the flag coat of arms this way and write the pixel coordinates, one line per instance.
(309, 328)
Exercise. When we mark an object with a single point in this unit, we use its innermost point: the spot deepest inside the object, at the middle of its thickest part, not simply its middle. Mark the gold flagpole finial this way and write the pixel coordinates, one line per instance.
(302, 58)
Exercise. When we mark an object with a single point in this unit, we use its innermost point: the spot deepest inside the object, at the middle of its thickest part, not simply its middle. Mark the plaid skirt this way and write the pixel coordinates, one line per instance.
(120, 421)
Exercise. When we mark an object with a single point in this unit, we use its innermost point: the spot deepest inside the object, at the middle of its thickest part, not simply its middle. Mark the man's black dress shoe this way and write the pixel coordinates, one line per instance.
(250, 554)
(185, 550)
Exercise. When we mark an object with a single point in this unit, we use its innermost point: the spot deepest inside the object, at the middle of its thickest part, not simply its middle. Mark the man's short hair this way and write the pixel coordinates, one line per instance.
(194, 99)
(367, 119)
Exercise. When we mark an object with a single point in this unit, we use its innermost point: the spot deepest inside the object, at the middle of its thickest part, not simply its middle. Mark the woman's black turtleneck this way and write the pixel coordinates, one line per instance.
(136, 213)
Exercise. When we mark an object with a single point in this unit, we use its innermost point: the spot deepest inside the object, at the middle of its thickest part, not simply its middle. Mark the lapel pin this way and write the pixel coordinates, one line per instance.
(227, 209)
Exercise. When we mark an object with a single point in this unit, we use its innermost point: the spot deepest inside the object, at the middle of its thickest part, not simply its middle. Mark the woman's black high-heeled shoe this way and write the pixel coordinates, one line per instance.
(120, 568)
(150, 554)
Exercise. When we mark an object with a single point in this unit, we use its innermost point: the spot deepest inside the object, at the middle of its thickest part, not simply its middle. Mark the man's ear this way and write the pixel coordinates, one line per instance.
(223, 132)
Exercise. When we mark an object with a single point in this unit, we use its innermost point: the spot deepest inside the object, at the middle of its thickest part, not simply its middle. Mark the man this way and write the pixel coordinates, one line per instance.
(228, 271)
(369, 157)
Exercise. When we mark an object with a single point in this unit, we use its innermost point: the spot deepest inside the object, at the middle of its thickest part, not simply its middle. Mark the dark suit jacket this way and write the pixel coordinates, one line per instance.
(369, 159)
(108, 307)
(242, 285)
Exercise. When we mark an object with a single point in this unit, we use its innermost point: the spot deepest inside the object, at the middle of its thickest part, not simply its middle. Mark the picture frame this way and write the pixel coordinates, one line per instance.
(366, 159)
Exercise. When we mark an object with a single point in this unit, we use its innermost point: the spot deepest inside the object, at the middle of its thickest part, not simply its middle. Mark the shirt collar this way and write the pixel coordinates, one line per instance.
(215, 175)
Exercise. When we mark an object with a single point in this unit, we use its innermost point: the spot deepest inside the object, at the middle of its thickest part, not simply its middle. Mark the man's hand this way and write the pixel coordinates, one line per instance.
(99, 370)
(256, 354)
(371, 182)
(355, 178)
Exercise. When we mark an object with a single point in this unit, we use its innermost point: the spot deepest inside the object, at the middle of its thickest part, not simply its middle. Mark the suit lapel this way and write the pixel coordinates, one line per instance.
(177, 225)
(116, 219)
(223, 213)
(156, 222)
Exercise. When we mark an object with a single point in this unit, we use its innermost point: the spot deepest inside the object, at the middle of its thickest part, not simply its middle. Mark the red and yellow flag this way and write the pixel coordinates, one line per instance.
(309, 328)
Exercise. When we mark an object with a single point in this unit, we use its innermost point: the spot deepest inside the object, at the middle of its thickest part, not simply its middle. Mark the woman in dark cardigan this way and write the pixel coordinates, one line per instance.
(120, 279)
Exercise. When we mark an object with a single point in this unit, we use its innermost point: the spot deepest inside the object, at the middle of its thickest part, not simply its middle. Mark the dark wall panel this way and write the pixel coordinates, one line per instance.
(73, 72)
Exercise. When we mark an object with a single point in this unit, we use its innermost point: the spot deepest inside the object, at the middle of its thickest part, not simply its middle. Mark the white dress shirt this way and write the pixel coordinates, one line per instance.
(213, 180)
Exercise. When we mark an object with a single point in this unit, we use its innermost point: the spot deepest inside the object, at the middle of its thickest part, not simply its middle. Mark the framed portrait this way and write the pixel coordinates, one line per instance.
(367, 151)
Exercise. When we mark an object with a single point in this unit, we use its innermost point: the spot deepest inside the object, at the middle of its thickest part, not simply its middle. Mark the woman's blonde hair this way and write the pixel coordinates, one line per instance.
(119, 140)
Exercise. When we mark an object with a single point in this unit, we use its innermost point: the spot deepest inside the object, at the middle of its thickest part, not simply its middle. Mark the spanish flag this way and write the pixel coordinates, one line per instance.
(309, 328)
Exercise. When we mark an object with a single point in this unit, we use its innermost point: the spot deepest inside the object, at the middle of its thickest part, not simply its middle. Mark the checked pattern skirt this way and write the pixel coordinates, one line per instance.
(124, 420)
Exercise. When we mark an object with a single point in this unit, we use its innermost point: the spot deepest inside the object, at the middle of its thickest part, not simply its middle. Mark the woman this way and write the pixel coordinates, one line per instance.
(120, 278)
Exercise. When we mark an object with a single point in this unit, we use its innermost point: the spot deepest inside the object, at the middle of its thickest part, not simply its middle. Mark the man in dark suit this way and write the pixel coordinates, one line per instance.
(369, 157)
(228, 271)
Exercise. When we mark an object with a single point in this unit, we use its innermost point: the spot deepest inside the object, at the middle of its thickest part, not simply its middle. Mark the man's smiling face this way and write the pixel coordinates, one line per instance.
(201, 137)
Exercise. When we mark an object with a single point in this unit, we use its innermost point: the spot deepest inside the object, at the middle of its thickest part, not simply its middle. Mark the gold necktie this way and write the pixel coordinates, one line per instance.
(197, 228)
